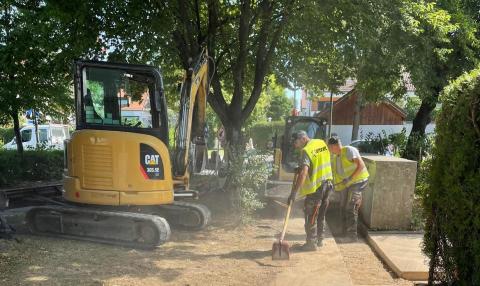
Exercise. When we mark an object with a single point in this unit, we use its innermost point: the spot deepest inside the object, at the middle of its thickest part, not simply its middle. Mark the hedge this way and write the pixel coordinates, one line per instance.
(263, 132)
(452, 199)
(6, 135)
(43, 165)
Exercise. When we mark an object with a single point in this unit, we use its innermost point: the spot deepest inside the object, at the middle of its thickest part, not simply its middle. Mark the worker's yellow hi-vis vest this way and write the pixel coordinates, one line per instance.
(320, 166)
(349, 168)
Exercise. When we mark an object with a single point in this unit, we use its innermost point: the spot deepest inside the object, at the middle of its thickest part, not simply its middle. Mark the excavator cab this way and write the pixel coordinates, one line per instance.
(119, 153)
(119, 97)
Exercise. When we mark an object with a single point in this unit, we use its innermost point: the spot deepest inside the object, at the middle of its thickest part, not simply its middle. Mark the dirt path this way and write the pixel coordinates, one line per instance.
(220, 255)
(364, 266)
(217, 256)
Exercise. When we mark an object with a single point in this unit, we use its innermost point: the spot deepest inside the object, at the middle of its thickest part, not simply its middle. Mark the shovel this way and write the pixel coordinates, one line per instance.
(280, 248)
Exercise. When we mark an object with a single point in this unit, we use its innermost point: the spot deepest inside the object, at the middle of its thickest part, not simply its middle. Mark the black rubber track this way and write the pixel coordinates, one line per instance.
(60, 222)
(180, 209)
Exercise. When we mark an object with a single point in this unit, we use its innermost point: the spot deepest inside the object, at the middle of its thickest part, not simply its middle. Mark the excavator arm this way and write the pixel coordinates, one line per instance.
(190, 132)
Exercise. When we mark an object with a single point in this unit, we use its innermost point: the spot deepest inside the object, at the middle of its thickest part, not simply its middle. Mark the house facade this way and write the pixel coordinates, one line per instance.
(377, 118)
(374, 117)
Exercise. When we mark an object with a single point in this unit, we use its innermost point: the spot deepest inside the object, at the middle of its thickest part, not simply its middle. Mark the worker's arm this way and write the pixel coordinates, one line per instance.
(360, 165)
(302, 174)
(354, 156)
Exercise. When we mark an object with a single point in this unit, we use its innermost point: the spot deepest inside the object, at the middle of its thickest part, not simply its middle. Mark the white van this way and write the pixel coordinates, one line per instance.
(49, 137)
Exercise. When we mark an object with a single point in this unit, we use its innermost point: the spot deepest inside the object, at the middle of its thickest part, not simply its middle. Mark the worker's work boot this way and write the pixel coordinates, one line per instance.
(320, 243)
(349, 238)
(309, 246)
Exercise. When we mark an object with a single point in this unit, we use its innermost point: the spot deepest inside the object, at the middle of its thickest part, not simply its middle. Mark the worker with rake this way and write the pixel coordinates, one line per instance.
(314, 182)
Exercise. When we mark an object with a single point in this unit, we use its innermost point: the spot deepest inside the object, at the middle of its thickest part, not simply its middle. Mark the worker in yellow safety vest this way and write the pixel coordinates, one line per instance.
(314, 182)
(350, 178)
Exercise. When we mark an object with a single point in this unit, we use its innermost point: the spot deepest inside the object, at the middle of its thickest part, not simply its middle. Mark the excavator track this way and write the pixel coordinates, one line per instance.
(117, 228)
(185, 215)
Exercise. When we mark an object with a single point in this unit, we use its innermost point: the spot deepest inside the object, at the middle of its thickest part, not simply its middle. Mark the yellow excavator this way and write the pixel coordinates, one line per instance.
(123, 182)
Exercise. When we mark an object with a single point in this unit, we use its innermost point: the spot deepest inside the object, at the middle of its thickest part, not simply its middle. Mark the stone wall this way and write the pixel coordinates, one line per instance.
(387, 201)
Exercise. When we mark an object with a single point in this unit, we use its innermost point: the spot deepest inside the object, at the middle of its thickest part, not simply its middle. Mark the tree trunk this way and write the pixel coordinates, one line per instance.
(234, 151)
(357, 115)
(423, 117)
(420, 122)
(35, 121)
(16, 129)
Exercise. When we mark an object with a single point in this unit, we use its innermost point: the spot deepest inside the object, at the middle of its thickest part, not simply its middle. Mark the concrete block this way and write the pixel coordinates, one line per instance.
(402, 252)
(388, 199)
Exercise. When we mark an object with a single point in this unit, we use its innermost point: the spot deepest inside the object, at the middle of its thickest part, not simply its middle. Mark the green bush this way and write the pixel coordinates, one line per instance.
(6, 135)
(421, 187)
(249, 175)
(377, 143)
(40, 165)
(451, 200)
(263, 132)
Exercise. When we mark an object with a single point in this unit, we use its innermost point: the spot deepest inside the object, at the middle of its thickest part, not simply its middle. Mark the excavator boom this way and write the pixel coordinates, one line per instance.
(191, 123)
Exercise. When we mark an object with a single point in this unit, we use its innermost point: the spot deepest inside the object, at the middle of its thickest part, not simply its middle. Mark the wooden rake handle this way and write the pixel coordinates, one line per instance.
(285, 222)
(287, 216)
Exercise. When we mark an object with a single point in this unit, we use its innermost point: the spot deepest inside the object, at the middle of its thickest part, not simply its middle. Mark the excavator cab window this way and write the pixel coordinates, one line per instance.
(120, 97)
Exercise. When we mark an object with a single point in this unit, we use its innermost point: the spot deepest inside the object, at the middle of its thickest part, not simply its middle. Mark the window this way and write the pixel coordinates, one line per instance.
(314, 131)
(42, 135)
(26, 135)
(57, 132)
(117, 98)
(66, 132)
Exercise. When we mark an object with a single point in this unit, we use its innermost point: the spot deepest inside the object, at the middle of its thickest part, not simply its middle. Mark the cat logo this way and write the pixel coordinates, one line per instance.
(151, 160)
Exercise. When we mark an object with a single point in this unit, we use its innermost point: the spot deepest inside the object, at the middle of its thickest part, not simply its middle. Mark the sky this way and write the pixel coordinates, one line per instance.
(299, 94)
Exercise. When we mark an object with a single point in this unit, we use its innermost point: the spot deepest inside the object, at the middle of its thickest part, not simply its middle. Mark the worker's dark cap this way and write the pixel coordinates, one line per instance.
(299, 134)
(333, 140)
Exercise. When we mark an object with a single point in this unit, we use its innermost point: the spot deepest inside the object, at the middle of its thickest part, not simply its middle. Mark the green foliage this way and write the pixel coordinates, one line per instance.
(35, 59)
(33, 166)
(447, 35)
(422, 185)
(377, 143)
(451, 200)
(263, 132)
(6, 135)
(411, 107)
(249, 175)
(279, 105)
(97, 95)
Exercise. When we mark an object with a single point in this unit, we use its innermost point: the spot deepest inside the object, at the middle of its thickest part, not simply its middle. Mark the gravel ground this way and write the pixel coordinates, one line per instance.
(222, 254)
(364, 266)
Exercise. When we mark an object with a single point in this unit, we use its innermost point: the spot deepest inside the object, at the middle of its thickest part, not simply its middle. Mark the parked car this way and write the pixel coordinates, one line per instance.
(369, 147)
(357, 143)
(49, 137)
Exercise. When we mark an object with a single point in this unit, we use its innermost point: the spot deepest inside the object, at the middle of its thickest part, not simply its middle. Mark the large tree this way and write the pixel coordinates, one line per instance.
(360, 40)
(435, 59)
(241, 37)
(377, 42)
